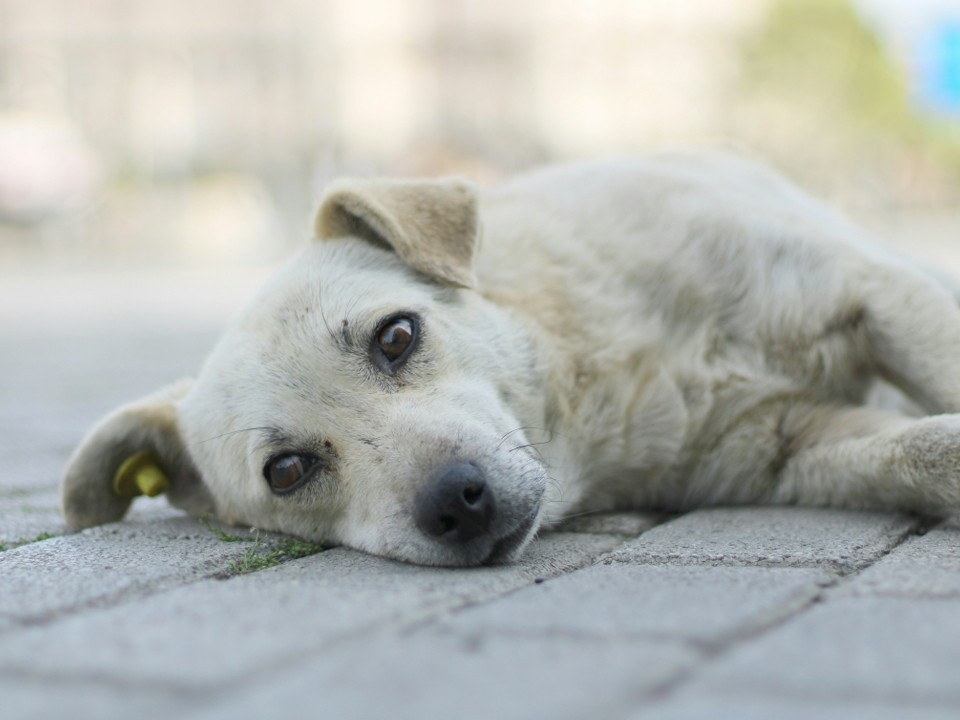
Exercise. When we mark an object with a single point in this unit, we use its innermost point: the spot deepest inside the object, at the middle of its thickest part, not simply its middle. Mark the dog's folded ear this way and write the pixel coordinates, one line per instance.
(430, 224)
(139, 443)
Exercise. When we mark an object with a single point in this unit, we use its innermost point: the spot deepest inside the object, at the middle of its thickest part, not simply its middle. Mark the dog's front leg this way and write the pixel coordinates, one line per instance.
(868, 458)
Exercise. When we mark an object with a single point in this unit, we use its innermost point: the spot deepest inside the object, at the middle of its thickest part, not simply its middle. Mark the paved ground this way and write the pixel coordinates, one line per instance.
(723, 613)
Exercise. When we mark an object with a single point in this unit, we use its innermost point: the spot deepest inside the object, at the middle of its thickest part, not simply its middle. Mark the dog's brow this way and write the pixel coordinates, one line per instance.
(348, 336)
(274, 437)
(338, 338)
(341, 331)
(346, 333)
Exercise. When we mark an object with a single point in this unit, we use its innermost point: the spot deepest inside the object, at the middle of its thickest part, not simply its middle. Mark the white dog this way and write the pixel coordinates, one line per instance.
(441, 372)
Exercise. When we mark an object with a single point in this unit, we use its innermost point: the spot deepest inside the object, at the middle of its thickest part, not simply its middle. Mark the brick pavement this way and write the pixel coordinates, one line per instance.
(722, 613)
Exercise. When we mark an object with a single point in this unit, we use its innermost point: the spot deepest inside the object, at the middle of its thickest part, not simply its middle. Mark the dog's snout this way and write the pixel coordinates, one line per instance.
(457, 505)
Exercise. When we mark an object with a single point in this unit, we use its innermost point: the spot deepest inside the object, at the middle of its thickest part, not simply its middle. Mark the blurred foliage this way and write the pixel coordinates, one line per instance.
(830, 77)
(820, 51)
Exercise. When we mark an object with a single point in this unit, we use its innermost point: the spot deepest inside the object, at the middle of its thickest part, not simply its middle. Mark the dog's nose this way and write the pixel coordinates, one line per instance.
(457, 505)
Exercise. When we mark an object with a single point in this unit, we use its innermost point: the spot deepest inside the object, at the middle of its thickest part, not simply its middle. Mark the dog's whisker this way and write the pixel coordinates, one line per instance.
(571, 516)
(533, 451)
(532, 446)
(337, 339)
(506, 435)
(232, 432)
(559, 493)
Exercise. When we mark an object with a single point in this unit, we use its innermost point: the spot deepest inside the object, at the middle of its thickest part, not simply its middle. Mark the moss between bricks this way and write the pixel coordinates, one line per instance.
(11, 544)
(224, 536)
(261, 558)
(264, 553)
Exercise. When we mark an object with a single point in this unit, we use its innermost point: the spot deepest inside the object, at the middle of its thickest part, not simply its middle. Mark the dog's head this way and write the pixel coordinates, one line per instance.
(370, 396)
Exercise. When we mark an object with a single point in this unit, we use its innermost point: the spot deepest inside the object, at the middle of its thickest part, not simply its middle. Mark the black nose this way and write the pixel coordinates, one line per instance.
(457, 505)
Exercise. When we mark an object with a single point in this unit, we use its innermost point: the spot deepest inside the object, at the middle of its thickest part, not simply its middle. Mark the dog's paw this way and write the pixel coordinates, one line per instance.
(928, 456)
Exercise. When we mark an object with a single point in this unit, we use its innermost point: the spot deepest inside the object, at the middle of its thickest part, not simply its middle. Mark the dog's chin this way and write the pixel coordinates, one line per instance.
(509, 547)
(506, 548)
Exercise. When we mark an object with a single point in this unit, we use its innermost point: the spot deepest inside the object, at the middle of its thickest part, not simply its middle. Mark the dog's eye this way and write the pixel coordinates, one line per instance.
(394, 342)
(395, 338)
(288, 472)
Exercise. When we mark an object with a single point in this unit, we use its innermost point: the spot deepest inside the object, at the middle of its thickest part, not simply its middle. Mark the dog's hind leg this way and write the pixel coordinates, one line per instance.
(868, 458)
(912, 328)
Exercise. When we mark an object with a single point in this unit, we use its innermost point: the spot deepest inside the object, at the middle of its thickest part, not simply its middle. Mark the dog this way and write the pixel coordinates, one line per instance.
(444, 371)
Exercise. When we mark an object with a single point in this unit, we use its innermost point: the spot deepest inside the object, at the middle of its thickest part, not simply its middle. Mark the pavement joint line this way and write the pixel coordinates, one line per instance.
(624, 706)
(7, 545)
(655, 517)
(714, 651)
(907, 702)
(578, 636)
(838, 567)
(104, 680)
(100, 603)
(922, 526)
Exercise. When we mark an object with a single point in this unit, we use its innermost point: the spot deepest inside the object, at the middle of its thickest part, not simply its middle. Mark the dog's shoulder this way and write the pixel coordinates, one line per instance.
(582, 226)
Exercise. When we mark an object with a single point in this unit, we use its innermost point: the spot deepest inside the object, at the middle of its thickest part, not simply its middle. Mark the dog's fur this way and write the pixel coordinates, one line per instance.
(668, 333)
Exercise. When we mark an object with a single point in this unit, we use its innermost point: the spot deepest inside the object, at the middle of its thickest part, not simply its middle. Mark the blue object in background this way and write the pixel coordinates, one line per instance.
(940, 70)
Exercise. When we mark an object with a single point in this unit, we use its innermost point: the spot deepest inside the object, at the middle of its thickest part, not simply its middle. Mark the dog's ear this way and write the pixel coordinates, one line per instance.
(430, 224)
(135, 450)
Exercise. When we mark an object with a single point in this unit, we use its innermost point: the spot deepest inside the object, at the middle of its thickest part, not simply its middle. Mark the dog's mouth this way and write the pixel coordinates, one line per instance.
(507, 547)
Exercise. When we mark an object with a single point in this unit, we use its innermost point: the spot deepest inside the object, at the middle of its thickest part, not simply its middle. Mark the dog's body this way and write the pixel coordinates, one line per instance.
(666, 333)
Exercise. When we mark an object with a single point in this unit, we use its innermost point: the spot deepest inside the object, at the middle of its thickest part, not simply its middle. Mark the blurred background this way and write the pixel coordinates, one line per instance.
(192, 138)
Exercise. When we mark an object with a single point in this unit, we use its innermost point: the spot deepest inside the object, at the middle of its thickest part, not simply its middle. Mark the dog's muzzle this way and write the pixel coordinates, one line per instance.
(458, 509)
(456, 506)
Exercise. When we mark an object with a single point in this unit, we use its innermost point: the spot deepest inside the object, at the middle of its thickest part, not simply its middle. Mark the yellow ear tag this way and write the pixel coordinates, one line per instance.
(139, 475)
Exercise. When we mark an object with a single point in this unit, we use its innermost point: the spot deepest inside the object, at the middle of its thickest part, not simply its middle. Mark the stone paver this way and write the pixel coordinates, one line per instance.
(771, 536)
(883, 649)
(702, 605)
(74, 571)
(27, 515)
(113, 698)
(439, 674)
